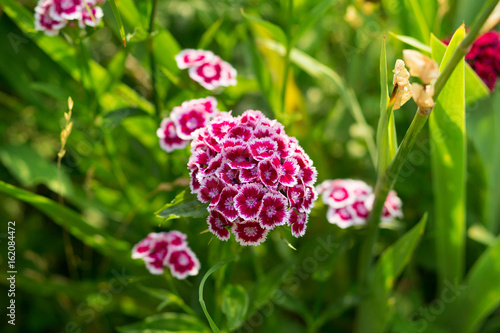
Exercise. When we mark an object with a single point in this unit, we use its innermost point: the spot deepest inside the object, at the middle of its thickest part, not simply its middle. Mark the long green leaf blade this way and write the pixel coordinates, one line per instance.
(471, 303)
(71, 220)
(448, 152)
(118, 18)
(376, 310)
(386, 131)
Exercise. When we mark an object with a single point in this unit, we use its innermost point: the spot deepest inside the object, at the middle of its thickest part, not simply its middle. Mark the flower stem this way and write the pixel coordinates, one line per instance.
(152, 60)
(386, 182)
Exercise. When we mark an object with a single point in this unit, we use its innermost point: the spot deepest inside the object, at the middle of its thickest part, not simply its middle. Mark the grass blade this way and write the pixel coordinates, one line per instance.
(118, 18)
(386, 131)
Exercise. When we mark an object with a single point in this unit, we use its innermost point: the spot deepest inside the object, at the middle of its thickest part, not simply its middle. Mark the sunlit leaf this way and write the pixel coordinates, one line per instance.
(448, 158)
(184, 204)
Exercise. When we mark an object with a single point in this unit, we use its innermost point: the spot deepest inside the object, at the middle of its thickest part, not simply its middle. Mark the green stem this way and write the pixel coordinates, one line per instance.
(287, 60)
(213, 326)
(386, 182)
(152, 60)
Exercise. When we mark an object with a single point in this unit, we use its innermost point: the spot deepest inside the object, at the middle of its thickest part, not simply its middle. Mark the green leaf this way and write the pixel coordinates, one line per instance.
(166, 322)
(480, 294)
(448, 158)
(475, 88)
(386, 131)
(318, 70)
(165, 296)
(184, 204)
(114, 118)
(483, 128)
(275, 31)
(209, 35)
(31, 169)
(118, 18)
(72, 221)
(234, 304)
(413, 42)
(421, 24)
(139, 35)
(311, 18)
(376, 309)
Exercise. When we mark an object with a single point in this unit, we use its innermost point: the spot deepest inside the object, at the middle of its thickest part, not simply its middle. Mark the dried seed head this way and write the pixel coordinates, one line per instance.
(422, 95)
(401, 80)
(421, 66)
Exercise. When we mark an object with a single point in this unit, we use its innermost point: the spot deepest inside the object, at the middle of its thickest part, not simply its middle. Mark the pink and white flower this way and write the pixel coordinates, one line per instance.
(257, 183)
(169, 140)
(53, 15)
(209, 70)
(182, 263)
(44, 21)
(249, 233)
(176, 131)
(167, 249)
(350, 202)
(189, 58)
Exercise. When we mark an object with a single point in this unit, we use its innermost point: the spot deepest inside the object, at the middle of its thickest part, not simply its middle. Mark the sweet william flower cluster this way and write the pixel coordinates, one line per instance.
(167, 249)
(254, 177)
(53, 15)
(209, 70)
(350, 201)
(176, 131)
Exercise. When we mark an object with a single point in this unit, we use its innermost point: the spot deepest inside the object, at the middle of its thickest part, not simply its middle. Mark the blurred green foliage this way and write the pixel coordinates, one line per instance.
(114, 176)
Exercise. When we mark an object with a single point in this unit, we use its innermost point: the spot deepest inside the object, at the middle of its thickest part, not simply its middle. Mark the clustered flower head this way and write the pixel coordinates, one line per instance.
(53, 15)
(167, 249)
(253, 175)
(484, 57)
(209, 70)
(350, 202)
(176, 131)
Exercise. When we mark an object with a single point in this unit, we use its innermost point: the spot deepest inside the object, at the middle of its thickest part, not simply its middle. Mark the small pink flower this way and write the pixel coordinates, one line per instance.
(268, 173)
(67, 9)
(210, 190)
(249, 200)
(169, 140)
(177, 131)
(273, 211)
(167, 249)
(218, 224)
(188, 58)
(298, 222)
(45, 21)
(226, 204)
(212, 73)
(249, 233)
(263, 148)
(239, 157)
(88, 19)
(287, 171)
(182, 263)
(350, 202)
(144, 247)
